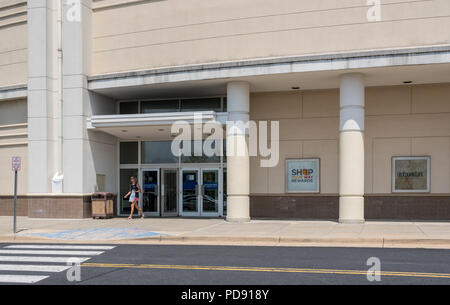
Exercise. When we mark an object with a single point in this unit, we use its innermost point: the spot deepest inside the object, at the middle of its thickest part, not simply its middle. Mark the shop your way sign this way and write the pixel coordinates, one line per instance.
(302, 175)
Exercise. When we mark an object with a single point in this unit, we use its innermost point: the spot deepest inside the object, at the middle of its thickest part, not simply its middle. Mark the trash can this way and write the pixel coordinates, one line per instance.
(102, 205)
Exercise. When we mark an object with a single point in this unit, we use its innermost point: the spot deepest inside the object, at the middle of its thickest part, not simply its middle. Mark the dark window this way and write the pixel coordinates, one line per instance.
(128, 107)
(224, 151)
(129, 153)
(192, 158)
(160, 106)
(203, 104)
(158, 152)
(225, 104)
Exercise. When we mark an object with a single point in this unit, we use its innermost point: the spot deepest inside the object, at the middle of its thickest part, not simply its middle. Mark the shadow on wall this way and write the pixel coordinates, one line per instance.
(101, 160)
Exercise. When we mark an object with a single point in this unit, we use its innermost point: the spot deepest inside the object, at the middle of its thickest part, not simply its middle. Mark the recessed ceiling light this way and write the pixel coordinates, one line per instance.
(408, 82)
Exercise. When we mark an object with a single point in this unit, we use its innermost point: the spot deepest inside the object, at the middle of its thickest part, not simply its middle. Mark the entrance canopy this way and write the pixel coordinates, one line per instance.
(153, 126)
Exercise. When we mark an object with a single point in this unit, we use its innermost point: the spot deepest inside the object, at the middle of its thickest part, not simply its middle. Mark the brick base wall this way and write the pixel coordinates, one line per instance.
(277, 207)
(294, 207)
(7, 206)
(75, 207)
(419, 207)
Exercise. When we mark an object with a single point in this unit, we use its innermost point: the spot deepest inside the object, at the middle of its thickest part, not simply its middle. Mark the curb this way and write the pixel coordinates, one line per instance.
(252, 241)
(417, 243)
(334, 242)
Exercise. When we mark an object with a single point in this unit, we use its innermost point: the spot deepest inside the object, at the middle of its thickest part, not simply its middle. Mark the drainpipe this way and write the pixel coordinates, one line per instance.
(58, 178)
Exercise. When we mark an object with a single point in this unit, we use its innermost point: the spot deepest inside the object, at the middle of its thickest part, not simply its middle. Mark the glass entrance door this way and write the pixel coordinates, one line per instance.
(201, 191)
(210, 192)
(169, 192)
(150, 192)
(190, 198)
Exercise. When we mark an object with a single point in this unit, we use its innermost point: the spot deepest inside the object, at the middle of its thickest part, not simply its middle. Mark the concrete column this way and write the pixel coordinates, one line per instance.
(42, 95)
(238, 161)
(79, 178)
(351, 149)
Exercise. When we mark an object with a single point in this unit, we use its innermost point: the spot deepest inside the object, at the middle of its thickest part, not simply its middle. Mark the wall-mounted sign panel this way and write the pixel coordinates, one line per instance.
(302, 175)
(411, 174)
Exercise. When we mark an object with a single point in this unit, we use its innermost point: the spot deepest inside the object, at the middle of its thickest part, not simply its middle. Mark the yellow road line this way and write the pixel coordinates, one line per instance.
(265, 269)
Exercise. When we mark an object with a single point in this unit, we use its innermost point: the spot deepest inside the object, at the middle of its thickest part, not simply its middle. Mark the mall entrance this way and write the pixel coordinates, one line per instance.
(178, 186)
(170, 192)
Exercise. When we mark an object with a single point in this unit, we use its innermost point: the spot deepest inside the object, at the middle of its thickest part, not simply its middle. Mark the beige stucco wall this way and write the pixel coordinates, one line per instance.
(148, 34)
(417, 124)
(13, 142)
(13, 46)
(400, 121)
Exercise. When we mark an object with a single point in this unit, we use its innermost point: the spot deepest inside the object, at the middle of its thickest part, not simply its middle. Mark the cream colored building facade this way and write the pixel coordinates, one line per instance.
(352, 84)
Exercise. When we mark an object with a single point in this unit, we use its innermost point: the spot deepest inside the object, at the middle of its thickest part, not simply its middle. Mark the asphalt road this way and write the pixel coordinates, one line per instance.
(220, 265)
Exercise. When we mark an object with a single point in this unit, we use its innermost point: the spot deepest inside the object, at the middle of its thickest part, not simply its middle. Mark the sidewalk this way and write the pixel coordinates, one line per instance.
(219, 232)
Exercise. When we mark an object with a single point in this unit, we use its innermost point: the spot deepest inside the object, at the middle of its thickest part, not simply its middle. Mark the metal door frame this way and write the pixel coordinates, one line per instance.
(200, 212)
(158, 196)
(219, 192)
(162, 189)
(180, 192)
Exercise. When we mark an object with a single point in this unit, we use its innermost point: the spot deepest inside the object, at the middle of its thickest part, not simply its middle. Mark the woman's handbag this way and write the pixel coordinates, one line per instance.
(132, 196)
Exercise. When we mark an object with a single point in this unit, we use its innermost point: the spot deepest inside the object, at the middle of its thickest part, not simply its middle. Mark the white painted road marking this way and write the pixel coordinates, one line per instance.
(62, 247)
(19, 254)
(33, 268)
(24, 279)
(40, 259)
(51, 252)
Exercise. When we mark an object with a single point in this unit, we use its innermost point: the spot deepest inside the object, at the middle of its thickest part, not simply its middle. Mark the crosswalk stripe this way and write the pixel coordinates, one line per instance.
(23, 279)
(62, 247)
(40, 259)
(33, 268)
(51, 252)
(20, 258)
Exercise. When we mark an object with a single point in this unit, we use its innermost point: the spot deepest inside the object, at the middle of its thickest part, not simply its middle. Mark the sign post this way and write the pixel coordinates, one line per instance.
(16, 162)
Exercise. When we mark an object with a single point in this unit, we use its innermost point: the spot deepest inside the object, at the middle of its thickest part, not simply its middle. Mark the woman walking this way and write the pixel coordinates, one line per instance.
(135, 189)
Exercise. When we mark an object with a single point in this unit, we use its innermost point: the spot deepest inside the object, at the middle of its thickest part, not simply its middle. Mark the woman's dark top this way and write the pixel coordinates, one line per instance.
(135, 189)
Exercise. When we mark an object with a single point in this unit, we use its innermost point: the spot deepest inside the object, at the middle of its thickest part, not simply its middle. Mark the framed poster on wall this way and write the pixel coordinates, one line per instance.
(411, 174)
(303, 175)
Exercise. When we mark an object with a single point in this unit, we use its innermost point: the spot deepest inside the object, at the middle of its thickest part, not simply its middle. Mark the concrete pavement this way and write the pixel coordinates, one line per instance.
(219, 232)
